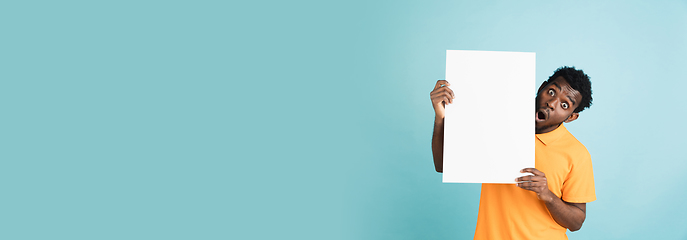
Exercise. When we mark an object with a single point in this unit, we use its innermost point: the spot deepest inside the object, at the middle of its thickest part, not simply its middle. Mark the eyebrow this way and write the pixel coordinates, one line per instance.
(559, 89)
(573, 101)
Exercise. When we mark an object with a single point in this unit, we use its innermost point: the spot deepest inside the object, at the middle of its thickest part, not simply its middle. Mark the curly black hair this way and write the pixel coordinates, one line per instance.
(579, 81)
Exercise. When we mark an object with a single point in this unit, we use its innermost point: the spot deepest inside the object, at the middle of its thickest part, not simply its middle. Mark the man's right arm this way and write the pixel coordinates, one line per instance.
(441, 95)
(438, 144)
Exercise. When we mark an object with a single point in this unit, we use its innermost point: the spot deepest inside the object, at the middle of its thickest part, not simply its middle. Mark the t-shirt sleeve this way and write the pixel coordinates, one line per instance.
(579, 185)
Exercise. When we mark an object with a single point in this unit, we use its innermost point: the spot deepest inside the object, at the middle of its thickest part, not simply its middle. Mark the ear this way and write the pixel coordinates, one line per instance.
(542, 86)
(572, 117)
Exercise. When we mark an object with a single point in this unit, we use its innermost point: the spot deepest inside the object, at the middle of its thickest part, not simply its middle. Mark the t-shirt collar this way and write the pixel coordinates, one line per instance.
(549, 137)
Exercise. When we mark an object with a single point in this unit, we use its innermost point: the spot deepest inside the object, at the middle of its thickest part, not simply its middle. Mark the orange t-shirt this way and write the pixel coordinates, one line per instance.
(509, 212)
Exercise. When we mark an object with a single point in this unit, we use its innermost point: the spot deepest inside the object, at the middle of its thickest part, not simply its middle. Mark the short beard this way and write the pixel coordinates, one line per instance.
(536, 129)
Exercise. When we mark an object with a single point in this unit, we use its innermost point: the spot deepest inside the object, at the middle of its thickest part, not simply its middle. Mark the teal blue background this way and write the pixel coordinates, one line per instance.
(311, 119)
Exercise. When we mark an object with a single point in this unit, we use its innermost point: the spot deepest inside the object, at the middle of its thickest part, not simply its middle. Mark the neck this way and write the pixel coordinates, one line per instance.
(546, 129)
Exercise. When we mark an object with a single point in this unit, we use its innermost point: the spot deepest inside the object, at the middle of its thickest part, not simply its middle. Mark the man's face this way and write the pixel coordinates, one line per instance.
(555, 104)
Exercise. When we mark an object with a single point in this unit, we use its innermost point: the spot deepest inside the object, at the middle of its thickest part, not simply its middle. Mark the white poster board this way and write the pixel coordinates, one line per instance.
(489, 128)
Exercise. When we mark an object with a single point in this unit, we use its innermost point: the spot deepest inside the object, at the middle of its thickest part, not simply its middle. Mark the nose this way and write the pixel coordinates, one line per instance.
(552, 103)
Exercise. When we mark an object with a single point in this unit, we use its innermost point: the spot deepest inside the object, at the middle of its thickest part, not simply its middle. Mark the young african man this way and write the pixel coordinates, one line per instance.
(554, 199)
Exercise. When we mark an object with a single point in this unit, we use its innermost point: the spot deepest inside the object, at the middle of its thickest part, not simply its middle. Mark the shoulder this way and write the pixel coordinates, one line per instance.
(575, 148)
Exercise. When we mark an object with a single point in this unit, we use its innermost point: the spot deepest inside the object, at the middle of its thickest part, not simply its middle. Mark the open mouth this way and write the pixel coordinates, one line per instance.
(541, 116)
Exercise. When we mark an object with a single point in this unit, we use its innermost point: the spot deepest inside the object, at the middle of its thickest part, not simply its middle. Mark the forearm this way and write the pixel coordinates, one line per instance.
(566, 214)
(438, 144)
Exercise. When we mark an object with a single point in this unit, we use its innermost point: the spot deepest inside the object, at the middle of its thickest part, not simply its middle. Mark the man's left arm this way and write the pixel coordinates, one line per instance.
(568, 215)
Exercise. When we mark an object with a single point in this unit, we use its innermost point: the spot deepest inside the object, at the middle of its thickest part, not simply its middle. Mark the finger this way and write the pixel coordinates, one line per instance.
(440, 99)
(540, 179)
(530, 185)
(445, 97)
(531, 179)
(441, 82)
(443, 90)
(438, 84)
(533, 171)
(523, 179)
(440, 92)
(525, 185)
(449, 90)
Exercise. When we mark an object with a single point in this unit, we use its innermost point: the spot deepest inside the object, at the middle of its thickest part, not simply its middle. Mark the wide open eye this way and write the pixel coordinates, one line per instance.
(565, 105)
(551, 92)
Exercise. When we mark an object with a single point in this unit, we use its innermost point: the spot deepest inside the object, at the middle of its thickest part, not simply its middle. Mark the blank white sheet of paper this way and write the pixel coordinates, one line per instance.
(489, 128)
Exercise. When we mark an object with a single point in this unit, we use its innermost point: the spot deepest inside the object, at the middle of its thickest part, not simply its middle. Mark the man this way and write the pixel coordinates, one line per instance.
(554, 199)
